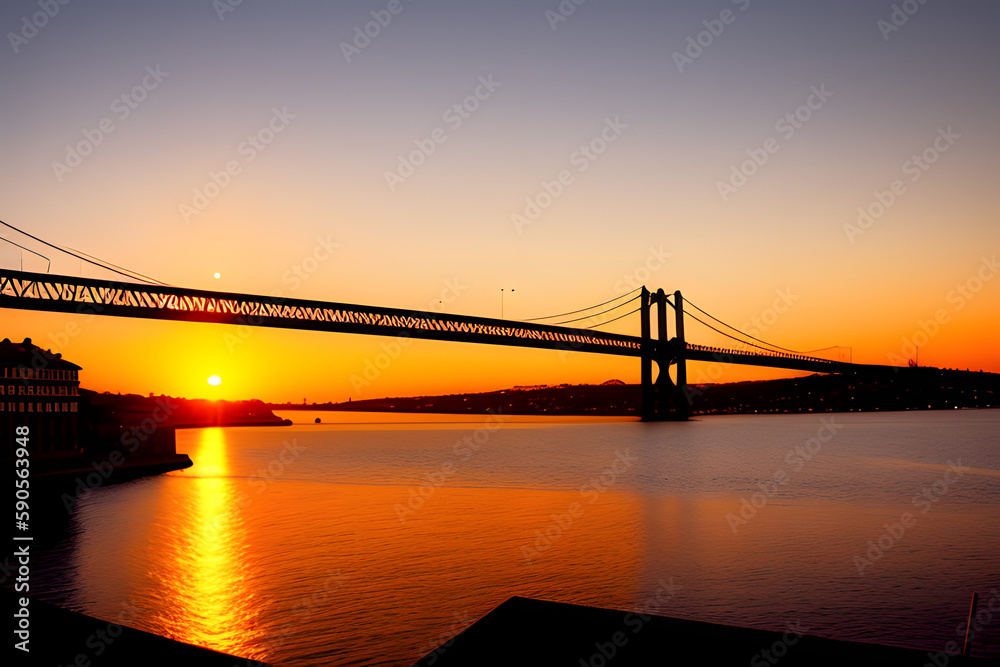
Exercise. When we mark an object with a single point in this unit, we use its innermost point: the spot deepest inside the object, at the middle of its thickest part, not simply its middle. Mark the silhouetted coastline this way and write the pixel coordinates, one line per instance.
(908, 389)
(179, 412)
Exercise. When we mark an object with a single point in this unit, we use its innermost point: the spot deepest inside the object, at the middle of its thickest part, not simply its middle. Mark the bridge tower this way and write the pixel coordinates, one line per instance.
(662, 400)
(681, 404)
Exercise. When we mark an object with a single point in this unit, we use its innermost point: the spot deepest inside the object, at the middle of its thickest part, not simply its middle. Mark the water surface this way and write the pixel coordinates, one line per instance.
(370, 539)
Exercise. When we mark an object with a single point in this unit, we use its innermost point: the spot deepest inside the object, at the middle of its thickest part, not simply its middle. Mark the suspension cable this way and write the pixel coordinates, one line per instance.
(100, 262)
(778, 347)
(109, 264)
(587, 317)
(574, 312)
(601, 324)
(728, 335)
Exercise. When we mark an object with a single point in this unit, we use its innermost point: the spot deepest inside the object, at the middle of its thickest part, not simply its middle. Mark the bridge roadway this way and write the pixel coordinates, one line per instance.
(797, 362)
(66, 294)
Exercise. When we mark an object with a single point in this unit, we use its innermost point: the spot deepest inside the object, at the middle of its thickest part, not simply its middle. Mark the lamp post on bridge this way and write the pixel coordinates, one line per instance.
(501, 301)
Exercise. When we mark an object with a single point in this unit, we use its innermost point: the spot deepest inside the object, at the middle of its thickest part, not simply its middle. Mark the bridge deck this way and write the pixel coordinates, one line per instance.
(38, 291)
(54, 293)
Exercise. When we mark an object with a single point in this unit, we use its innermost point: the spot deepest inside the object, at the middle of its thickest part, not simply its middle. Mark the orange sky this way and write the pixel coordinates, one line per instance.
(737, 178)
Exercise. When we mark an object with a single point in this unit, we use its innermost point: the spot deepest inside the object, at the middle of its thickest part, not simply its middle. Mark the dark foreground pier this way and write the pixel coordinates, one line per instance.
(523, 631)
(59, 637)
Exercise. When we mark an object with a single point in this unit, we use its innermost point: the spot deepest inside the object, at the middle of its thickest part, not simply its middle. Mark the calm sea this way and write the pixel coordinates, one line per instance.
(370, 539)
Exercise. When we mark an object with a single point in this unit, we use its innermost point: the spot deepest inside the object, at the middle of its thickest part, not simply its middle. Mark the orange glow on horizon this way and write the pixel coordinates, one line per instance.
(287, 366)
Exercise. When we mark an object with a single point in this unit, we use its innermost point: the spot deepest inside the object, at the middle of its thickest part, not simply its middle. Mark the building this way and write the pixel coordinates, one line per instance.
(39, 390)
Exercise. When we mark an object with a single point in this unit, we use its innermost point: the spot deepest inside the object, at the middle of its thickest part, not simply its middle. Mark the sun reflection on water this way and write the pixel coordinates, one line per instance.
(204, 574)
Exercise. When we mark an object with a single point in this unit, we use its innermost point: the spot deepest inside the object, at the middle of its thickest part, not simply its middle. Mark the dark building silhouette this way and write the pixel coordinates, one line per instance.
(39, 390)
(78, 440)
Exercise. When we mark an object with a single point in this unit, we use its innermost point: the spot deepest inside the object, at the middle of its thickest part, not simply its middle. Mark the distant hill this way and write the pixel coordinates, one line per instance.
(909, 389)
(176, 412)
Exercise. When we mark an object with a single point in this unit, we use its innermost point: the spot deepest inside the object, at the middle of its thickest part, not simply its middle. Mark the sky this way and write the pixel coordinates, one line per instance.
(813, 173)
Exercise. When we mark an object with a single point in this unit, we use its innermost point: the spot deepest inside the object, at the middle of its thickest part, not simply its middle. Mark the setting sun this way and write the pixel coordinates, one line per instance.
(215, 380)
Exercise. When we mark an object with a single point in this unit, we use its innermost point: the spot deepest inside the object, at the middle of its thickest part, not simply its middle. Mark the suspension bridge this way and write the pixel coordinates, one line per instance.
(662, 398)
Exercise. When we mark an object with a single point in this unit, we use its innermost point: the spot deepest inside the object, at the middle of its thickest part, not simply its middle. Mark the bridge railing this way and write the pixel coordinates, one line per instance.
(38, 291)
(758, 353)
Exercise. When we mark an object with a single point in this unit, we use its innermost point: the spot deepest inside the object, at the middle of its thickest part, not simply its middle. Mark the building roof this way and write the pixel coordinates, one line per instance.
(31, 356)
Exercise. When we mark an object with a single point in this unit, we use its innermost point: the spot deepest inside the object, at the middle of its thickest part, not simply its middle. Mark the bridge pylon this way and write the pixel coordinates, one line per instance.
(662, 400)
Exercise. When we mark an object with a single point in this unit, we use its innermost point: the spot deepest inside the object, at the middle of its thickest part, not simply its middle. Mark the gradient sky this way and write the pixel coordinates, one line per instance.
(648, 209)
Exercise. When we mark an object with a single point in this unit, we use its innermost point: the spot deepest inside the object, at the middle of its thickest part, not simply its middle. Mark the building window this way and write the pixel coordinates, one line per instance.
(65, 407)
(72, 407)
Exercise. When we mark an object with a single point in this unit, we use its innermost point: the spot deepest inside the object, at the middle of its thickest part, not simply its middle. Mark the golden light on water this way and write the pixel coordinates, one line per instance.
(204, 579)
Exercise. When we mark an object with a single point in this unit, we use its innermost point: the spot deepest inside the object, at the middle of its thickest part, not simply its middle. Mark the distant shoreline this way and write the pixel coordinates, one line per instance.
(910, 389)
